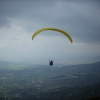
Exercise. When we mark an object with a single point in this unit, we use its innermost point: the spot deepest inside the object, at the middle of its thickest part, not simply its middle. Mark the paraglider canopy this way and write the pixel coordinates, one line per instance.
(53, 29)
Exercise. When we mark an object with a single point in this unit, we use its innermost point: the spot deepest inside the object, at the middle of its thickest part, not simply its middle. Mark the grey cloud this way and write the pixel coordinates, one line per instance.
(79, 18)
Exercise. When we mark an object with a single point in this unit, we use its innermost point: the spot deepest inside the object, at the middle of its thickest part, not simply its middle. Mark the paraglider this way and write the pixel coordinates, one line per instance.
(53, 29)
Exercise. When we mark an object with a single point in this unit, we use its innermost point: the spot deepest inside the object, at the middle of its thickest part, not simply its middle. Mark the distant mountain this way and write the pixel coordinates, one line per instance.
(5, 63)
(11, 65)
(69, 69)
(84, 68)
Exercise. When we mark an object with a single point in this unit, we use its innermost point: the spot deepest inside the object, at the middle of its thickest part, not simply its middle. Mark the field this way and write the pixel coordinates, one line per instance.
(41, 82)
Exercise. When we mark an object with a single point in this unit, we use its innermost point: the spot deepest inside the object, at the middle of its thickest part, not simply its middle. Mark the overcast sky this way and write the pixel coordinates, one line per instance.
(19, 19)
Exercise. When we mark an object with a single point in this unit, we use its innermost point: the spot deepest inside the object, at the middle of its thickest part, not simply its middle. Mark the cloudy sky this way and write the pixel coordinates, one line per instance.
(19, 19)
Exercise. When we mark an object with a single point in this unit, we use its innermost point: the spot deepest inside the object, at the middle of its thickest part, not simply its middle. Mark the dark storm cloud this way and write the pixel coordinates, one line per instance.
(80, 18)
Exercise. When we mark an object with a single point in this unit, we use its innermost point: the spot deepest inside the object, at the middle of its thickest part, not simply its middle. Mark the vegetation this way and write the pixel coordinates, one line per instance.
(38, 82)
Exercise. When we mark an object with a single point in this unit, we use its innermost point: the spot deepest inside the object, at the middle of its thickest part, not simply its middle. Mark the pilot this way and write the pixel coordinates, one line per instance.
(51, 62)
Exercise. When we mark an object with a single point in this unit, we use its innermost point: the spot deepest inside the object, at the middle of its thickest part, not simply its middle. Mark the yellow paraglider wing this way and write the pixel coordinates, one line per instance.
(53, 29)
